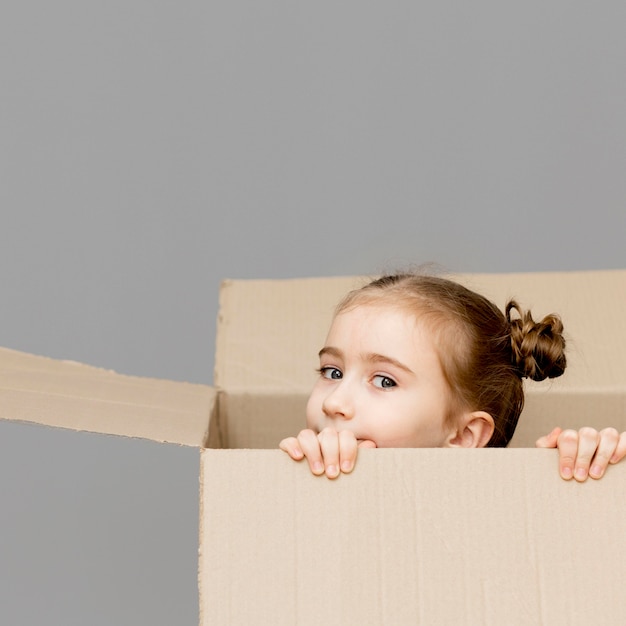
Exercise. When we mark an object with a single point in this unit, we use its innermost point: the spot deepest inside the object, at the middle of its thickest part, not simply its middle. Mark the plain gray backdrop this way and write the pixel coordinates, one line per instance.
(149, 150)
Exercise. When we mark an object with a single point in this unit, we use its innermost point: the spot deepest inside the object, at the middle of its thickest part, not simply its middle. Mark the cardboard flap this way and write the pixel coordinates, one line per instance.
(81, 397)
(410, 537)
(270, 331)
(591, 305)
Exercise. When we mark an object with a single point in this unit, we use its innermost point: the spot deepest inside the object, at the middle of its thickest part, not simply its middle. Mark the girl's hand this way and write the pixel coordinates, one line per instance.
(329, 452)
(586, 452)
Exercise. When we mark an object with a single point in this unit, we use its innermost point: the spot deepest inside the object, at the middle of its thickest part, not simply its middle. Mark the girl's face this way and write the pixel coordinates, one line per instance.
(380, 378)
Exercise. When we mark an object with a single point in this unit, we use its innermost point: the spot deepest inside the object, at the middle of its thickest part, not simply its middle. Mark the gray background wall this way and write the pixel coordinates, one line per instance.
(151, 149)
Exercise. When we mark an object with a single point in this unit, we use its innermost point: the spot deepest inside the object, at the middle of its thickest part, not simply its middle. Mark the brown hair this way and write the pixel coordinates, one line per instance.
(484, 353)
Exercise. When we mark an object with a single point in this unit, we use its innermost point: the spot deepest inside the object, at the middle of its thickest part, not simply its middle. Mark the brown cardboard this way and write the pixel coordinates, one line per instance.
(425, 536)
(72, 395)
(412, 536)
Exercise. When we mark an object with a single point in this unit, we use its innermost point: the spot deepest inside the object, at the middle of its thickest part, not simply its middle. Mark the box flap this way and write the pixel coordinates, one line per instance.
(428, 536)
(81, 397)
(591, 305)
(270, 331)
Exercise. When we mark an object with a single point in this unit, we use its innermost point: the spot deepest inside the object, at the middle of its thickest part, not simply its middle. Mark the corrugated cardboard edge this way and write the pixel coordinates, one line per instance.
(201, 540)
(218, 427)
(80, 397)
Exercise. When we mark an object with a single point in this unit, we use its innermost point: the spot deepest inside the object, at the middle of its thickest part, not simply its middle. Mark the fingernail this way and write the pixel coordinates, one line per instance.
(346, 466)
(580, 473)
(566, 472)
(332, 471)
(596, 471)
(318, 468)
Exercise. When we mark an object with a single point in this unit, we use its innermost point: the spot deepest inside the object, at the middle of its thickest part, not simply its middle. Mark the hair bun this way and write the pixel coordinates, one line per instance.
(538, 348)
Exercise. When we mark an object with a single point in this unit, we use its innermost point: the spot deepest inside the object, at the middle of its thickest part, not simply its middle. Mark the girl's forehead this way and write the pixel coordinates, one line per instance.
(383, 331)
(374, 319)
(379, 308)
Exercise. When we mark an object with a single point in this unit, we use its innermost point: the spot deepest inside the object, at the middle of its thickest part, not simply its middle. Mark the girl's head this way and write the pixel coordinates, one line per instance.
(420, 361)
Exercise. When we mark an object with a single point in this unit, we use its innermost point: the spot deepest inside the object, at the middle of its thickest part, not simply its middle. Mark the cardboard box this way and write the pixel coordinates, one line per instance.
(411, 536)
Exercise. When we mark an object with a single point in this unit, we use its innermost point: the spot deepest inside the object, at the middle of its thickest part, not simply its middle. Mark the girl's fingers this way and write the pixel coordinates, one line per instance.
(588, 441)
(347, 451)
(608, 440)
(311, 448)
(329, 452)
(585, 452)
(567, 443)
(620, 450)
(291, 446)
(329, 444)
(549, 440)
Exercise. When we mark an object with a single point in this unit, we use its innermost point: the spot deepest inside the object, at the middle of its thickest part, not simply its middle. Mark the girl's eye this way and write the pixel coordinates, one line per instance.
(332, 373)
(383, 382)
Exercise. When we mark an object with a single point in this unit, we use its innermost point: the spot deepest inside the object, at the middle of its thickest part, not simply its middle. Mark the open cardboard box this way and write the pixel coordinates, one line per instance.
(411, 536)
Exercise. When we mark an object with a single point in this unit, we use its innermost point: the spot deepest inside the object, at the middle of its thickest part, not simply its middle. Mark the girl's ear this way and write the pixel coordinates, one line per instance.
(474, 430)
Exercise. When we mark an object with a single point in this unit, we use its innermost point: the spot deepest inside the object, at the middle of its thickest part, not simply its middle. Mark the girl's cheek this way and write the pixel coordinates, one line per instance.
(313, 409)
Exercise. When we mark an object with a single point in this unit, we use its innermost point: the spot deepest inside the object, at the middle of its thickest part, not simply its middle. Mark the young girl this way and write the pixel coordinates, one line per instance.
(420, 361)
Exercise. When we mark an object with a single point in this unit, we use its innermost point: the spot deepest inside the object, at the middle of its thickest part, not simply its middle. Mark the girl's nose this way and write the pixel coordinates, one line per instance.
(338, 404)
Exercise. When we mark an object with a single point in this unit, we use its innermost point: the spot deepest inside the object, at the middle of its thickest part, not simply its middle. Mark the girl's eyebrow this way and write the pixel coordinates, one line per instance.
(330, 351)
(372, 357)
